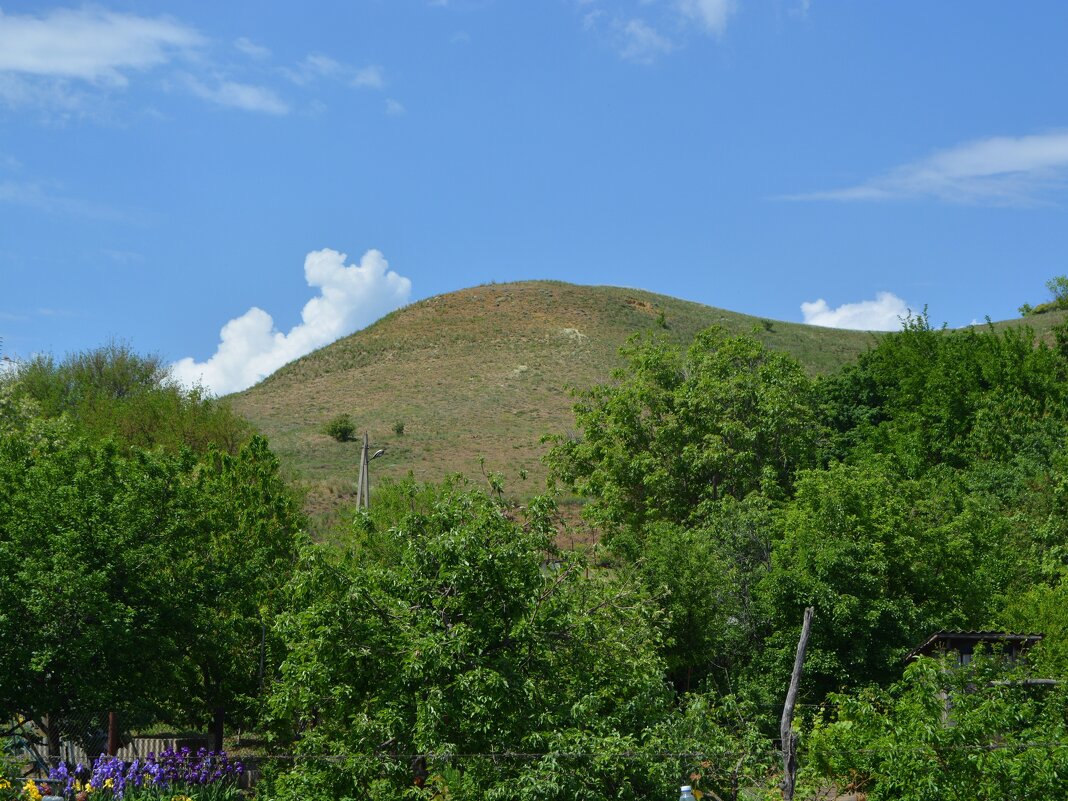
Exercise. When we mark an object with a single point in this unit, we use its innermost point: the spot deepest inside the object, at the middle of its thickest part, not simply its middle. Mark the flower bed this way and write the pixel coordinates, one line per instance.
(173, 775)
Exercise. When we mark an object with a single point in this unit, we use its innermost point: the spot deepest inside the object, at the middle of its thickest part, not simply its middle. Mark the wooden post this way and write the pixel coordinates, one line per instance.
(113, 734)
(51, 728)
(786, 725)
(217, 729)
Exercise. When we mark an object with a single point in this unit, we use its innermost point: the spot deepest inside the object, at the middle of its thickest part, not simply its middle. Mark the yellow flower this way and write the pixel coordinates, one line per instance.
(31, 791)
(181, 798)
(109, 783)
(4, 783)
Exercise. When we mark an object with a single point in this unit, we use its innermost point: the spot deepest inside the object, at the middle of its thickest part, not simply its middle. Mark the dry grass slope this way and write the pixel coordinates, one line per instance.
(482, 372)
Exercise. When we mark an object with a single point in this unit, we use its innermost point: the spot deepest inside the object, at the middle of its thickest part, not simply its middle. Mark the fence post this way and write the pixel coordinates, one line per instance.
(113, 734)
(52, 733)
(217, 728)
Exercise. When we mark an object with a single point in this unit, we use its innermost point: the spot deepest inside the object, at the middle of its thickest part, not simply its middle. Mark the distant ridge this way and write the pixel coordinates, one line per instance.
(484, 372)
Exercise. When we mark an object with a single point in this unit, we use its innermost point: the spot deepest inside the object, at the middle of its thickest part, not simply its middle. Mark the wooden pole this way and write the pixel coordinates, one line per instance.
(362, 487)
(113, 733)
(786, 725)
(51, 728)
(217, 729)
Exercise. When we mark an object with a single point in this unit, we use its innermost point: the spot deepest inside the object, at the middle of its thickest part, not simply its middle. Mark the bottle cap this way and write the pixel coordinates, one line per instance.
(685, 788)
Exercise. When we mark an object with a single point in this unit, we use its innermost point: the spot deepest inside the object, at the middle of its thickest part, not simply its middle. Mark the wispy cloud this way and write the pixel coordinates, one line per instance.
(372, 76)
(1000, 170)
(244, 96)
(882, 314)
(316, 66)
(251, 49)
(643, 31)
(394, 108)
(47, 198)
(90, 44)
(710, 15)
(350, 297)
(65, 61)
(640, 42)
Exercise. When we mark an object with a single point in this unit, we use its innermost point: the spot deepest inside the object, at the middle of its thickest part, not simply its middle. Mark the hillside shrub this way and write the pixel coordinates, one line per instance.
(341, 428)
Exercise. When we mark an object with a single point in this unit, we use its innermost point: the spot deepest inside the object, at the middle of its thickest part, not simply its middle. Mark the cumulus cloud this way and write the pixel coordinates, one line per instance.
(882, 314)
(90, 44)
(1000, 170)
(350, 297)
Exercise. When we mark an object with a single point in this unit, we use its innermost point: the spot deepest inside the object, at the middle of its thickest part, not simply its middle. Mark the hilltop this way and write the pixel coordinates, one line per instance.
(477, 376)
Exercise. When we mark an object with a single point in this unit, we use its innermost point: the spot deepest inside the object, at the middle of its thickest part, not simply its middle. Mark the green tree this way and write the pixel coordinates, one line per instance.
(945, 732)
(706, 580)
(884, 560)
(341, 428)
(241, 523)
(88, 573)
(113, 392)
(677, 432)
(481, 642)
(938, 397)
(131, 579)
(1058, 290)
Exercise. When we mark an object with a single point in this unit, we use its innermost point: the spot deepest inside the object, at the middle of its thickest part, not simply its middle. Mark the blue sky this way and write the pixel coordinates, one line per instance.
(168, 169)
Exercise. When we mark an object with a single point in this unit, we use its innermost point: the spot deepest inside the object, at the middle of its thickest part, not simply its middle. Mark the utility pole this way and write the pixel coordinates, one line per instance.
(363, 490)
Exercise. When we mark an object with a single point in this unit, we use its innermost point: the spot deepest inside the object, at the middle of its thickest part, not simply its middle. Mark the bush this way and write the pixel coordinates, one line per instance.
(341, 428)
(398, 428)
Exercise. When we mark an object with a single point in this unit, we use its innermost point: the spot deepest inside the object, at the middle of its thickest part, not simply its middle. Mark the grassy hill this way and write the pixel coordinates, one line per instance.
(484, 373)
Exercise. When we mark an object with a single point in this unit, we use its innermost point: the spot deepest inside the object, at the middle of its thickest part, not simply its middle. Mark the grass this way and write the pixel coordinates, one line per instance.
(482, 374)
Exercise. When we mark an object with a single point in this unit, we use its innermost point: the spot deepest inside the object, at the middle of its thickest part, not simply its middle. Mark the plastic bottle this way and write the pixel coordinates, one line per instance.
(686, 794)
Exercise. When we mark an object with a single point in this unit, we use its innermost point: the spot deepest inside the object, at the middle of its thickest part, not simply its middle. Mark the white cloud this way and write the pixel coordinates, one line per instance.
(711, 15)
(244, 96)
(1000, 170)
(371, 77)
(349, 298)
(251, 49)
(640, 42)
(90, 44)
(317, 65)
(394, 108)
(43, 197)
(882, 314)
(653, 28)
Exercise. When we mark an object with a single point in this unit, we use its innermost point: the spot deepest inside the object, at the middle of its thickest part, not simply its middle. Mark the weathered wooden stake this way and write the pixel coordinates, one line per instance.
(786, 725)
(113, 733)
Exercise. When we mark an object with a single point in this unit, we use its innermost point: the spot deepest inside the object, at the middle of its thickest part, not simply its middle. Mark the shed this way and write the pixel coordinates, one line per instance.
(964, 643)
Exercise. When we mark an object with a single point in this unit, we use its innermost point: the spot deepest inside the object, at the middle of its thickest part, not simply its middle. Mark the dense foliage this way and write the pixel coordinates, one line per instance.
(948, 732)
(921, 488)
(453, 651)
(480, 656)
(133, 580)
(115, 393)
